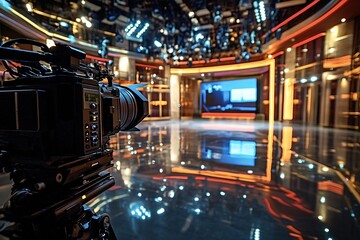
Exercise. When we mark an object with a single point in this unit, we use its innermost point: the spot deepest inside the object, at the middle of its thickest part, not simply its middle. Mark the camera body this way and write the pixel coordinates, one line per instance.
(55, 125)
(57, 116)
(51, 118)
(49, 122)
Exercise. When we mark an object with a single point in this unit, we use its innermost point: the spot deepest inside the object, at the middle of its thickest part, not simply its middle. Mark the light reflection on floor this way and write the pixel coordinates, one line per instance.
(202, 179)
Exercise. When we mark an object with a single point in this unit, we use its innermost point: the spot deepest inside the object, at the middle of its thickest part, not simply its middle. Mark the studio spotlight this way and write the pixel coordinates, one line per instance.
(245, 55)
(278, 34)
(157, 43)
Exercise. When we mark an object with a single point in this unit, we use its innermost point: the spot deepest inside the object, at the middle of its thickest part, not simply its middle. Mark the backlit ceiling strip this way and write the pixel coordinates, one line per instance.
(293, 16)
(312, 24)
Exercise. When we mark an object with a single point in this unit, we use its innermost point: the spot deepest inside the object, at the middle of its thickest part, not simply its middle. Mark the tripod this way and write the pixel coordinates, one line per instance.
(58, 214)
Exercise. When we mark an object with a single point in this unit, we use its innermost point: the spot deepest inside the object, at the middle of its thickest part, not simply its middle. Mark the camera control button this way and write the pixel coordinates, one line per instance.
(87, 133)
(86, 139)
(93, 127)
(93, 105)
(94, 139)
(86, 126)
(93, 118)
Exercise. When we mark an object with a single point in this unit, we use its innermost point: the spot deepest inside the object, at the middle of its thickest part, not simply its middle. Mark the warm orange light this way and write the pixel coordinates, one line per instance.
(170, 177)
(248, 127)
(286, 217)
(275, 55)
(240, 66)
(309, 100)
(308, 40)
(159, 103)
(229, 115)
(292, 229)
(271, 93)
(222, 68)
(297, 236)
(331, 187)
(344, 61)
(269, 208)
(302, 208)
(97, 58)
(223, 175)
(294, 16)
(280, 200)
(288, 99)
(214, 60)
(223, 59)
(146, 66)
(312, 24)
(286, 143)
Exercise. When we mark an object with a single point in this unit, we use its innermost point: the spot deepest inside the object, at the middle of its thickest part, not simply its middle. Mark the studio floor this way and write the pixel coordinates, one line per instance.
(206, 179)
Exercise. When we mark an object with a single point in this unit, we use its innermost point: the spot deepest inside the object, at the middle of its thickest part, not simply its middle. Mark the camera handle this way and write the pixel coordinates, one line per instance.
(31, 63)
(8, 53)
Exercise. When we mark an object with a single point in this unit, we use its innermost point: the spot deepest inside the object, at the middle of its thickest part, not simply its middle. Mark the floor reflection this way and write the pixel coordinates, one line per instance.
(202, 179)
(233, 180)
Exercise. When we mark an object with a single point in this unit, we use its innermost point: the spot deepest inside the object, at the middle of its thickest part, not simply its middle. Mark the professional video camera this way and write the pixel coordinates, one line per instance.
(57, 116)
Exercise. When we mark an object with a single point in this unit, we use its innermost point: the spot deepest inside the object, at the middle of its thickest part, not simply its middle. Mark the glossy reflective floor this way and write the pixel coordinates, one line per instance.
(203, 179)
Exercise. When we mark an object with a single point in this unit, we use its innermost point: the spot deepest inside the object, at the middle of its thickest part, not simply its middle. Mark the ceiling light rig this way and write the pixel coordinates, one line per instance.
(176, 30)
(182, 30)
(191, 33)
(260, 12)
(85, 20)
(135, 30)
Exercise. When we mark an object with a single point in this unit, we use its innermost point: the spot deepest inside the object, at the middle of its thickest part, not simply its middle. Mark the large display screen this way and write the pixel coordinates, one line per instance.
(233, 96)
(231, 152)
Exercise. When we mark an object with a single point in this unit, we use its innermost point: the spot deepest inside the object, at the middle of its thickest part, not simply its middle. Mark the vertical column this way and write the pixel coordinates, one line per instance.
(342, 102)
(197, 101)
(271, 92)
(124, 68)
(313, 96)
(289, 74)
(325, 96)
(175, 142)
(131, 70)
(167, 73)
(175, 96)
(288, 99)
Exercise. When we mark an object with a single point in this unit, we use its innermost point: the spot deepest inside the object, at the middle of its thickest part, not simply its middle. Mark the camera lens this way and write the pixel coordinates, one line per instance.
(133, 107)
(128, 108)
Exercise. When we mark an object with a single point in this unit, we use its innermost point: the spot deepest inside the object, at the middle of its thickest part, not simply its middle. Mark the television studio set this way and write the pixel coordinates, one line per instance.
(179, 119)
